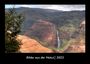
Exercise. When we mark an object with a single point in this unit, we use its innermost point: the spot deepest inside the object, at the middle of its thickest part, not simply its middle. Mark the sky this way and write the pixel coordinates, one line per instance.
(55, 7)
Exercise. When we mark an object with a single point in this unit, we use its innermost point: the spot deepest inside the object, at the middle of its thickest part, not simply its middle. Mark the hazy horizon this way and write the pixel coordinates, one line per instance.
(53, 7)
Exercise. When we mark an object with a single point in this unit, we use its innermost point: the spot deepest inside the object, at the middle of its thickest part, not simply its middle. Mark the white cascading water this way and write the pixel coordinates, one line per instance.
(58, 40)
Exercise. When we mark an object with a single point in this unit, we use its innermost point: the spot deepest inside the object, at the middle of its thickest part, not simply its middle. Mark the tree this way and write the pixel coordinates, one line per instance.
(13, 22)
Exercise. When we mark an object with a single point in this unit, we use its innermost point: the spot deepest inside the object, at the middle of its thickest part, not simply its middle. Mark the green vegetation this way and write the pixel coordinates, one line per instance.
(70, 28)
(66, 31)
(12, 28)
(64, 46)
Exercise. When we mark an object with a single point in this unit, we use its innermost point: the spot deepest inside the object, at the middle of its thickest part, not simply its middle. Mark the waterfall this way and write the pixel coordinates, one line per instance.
(58, 40)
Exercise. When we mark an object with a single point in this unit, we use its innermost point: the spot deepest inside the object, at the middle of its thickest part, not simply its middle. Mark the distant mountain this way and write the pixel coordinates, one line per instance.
(55, 16)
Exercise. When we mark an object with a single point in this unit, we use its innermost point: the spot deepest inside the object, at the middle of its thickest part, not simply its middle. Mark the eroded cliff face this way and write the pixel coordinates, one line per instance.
(44, 31)
(77, 46)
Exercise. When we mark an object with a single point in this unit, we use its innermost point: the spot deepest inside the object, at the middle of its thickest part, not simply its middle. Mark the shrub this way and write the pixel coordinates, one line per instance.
(12, 28)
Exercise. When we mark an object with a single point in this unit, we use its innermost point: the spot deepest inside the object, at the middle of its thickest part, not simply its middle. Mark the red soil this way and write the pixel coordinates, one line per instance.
(30, 45)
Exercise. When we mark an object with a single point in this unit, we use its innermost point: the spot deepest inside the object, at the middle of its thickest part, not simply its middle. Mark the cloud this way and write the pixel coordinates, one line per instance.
(56, 7)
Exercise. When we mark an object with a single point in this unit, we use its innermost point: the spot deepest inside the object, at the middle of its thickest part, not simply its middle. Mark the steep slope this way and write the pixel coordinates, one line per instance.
(44, 31)
(30, 45)
(77, 46)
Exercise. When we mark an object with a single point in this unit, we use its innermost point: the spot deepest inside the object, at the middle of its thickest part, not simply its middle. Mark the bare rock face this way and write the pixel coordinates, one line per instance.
(45, 32)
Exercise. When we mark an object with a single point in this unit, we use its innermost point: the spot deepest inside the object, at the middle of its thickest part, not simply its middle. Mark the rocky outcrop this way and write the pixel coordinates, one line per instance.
(44, 31)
